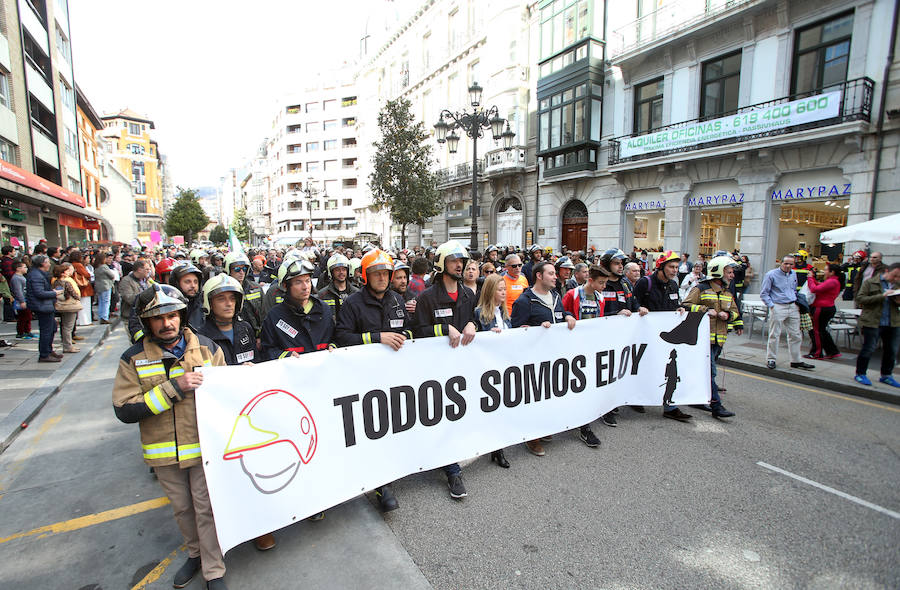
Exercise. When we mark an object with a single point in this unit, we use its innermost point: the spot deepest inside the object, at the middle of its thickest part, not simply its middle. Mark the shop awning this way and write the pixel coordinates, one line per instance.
(884, 230)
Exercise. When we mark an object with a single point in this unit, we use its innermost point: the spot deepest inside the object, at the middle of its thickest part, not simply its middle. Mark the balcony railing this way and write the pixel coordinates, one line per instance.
(458, 174)
(495, 162)
(667, 20)
(839, 103)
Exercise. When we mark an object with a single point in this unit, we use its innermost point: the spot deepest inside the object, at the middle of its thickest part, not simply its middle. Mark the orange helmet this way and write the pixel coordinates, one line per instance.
(164, 265)
(666, 256)
(376, 260)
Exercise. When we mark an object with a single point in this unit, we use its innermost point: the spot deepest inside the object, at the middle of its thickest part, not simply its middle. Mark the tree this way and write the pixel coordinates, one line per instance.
(241, 225)
(218, 235)
(186, 217)
(402, 180)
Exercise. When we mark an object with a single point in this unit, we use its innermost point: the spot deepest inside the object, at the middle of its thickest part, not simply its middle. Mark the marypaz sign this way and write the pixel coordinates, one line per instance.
(750, 122)
(286, 439)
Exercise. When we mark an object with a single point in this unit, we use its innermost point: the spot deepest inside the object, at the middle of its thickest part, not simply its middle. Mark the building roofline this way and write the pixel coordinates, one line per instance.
(86, 106)
(122, 115)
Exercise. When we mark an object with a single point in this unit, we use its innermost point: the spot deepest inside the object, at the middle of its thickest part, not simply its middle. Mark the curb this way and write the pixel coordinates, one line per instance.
(11, 426)
(805, 379)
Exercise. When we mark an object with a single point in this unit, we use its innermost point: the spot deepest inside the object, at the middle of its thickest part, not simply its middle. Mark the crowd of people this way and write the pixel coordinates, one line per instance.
(191, 308)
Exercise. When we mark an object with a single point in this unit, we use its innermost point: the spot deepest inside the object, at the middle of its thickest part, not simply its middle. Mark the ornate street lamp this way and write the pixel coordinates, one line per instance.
(473, 124)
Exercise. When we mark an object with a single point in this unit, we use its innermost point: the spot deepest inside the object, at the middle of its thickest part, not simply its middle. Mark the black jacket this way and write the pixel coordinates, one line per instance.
(435, 310)
(362, 318)
(656, 295)
(287, 329)
(331, 296)
(195, 318)
(244, 348)
(251, 310)
(272, 297)
(618, 296)
(530, 310)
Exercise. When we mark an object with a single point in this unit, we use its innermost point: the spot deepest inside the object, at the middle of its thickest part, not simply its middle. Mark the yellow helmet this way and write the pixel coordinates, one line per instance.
(294, 268)
(802, 253)
(222, 283)
(448, 251)
(236, 258)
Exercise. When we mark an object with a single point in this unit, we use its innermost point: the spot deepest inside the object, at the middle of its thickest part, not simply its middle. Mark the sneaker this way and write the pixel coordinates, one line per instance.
(677, 414)
(889, 380)
(20, 336)
(589, 438)
(386, 499)
(802, 365)
(609, 419)
(836, 355)
(29, 336)
(862, 379)
(770, 364)
(457, 489)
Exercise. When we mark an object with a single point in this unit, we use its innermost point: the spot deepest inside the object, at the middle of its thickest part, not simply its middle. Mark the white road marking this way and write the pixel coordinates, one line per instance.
(843, 495)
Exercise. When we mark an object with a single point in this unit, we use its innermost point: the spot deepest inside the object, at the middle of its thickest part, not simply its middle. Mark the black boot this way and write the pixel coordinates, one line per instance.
(686, 331)
(185, 573)
(386, 499)
(719, 411)
(216, 584)
(500, 458)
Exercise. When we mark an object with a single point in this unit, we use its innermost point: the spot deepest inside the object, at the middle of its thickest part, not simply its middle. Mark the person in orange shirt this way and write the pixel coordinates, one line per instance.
(516, 282)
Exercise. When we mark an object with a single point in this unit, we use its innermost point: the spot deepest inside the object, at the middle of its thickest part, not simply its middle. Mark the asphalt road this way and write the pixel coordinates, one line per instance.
(659, 505)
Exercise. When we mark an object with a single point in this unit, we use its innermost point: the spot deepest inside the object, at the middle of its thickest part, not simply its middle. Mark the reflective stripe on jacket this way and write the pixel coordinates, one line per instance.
(712, 295)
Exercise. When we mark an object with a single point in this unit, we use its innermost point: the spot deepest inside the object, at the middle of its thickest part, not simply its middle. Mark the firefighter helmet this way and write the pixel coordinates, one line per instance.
(354, 265)
(337, 261)
(165, 265)
(449, 251)
(184, 268)
(236, 258)
(402, 266)
(564, 262)
(290, 269)
(272, 437)
(715, 268)
(222, 283)
(376, 260)
(197, 254)
(665, 257)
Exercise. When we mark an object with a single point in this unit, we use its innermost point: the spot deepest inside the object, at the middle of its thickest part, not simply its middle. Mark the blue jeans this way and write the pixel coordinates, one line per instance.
(889, 343)
(103, 299)
(714, 351)
(47, 325)
(451, 470)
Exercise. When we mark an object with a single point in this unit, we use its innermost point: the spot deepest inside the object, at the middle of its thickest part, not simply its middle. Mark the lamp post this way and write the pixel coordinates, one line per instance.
(473, 124)
(311, 193)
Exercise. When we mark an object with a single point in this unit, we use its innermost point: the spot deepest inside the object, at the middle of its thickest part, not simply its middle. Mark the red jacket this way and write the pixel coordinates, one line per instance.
(572, 302)
(826, 291)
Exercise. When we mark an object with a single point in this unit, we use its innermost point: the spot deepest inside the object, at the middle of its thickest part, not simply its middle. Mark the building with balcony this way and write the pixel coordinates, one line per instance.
(41, 179)
(431, 57)
(739, 124)
(136, 156)
(313, 158)
(255, 190)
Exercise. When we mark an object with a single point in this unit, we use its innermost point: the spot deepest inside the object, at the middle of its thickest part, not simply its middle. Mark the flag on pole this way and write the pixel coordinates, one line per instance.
(233, 243)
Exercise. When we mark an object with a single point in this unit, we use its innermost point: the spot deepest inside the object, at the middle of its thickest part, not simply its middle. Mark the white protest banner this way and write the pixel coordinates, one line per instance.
(286, 439)
(749, 122)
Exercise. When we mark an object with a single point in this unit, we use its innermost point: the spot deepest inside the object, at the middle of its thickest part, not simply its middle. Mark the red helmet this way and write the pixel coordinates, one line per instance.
(861, 253)
(165, 265)
(666, 256)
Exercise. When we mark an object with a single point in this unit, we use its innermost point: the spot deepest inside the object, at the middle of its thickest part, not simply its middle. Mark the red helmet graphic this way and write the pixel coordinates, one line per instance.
(273, 435)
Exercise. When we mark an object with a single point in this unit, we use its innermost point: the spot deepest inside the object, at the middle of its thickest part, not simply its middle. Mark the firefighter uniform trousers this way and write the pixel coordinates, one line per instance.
(186, 490)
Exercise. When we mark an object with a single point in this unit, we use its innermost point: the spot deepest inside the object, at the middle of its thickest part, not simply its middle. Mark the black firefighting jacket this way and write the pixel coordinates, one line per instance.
(244, 348)
(363, 317)
(288, 329)
(435, 310)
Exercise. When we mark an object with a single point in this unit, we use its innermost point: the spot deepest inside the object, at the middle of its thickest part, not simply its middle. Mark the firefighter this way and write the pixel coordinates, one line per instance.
(447, 308)
(713, 298)
(802, 267)
(338, 288)
(237, 265)
(154, 387)
(375, 313)
(200, 258)
(187, 278)
(301, 323)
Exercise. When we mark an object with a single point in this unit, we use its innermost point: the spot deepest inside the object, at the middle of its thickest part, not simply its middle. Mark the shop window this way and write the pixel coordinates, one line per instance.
(648, 102)
(821, 54)
(720, 85)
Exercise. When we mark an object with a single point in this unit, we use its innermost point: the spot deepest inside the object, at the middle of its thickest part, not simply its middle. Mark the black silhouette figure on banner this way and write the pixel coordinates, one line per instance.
(672, 377)
(686, 331)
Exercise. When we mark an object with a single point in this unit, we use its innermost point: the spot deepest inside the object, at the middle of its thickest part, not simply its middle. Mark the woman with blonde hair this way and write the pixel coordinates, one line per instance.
(491, 314)
(68, 303)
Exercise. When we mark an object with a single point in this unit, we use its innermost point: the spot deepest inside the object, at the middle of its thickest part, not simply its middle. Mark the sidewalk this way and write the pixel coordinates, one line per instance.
(742, 352)
(27, 384)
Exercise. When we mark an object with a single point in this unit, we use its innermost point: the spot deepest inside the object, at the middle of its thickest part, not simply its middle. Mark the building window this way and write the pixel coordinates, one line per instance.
(348, 142)
(66, 95)
(562, 118)
(312, 146)
(313, 166)
(8, 152)
(348, 101)
(140, 206)
(330, 165)
(721, 84)
(348, 202)
(313, 107)
(821, 54)
(331, 204)
(348, 163)
(136, 148)
(4, 90)
(348, 122)
(328, 125)
(312, 126)
(350, 183)
(473, 72)
(71, 142)
(74, 186)
(648, 103)
(563, 23)
(135, 129)
(330, 104)
(329, 144)
(62, 45)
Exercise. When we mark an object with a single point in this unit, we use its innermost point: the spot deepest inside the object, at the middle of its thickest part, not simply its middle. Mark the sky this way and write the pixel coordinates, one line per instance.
(209, 73)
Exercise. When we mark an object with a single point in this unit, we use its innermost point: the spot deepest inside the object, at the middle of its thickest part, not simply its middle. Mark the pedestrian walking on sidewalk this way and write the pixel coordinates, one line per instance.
(68, 305)
(40, 299)
(104, 280)
(879, 299)
(823, 310)
(779, 293)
